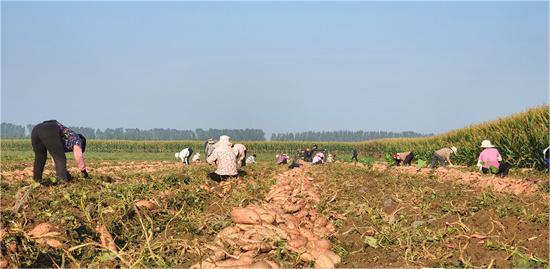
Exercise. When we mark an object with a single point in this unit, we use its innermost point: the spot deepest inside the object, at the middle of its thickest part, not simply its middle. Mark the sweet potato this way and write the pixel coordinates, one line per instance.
(106, 238)
(12, 247)
(273, 265)
(323, 262)
(228, 231)
(244, 260)
(297, 242)
(3, 233)
(307, 257)
(41, 229)
(291, 208)
(145, 204)
(4, 263)
(245, 216)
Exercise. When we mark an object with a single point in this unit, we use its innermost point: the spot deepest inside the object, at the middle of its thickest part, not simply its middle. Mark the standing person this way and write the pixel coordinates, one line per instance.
(240, 152)
(489, 158)
(354, 156)
(53, 137)
(443, 156)
(403, 157)
(251, 159)
(224, 158)
(184, 155)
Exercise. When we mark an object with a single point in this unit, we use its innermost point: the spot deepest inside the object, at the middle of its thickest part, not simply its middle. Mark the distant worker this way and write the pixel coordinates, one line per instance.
(196, 158)
(224, 158)
(282, 159)
(546, 154)
(251, 159)
(319, 158)
(53, 137)
(208, 147)
(184, 155)
(489, 160)
(403, 157)
(240, 153)
(443, 156)
(354, 155)
(308, 155)
(330, 158)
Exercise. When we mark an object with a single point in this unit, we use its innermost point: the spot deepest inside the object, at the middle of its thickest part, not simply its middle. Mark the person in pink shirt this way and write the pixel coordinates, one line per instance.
(489, 160)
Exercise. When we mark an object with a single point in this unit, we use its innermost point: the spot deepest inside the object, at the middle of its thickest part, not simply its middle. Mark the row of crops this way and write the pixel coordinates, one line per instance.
(521, 138)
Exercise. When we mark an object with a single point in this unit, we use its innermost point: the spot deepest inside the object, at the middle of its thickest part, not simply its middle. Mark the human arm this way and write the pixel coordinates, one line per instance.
(79, 158)
(212, 158)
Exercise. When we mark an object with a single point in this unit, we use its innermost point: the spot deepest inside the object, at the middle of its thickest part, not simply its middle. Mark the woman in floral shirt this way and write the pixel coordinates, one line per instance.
(224, 158)
(53, 137)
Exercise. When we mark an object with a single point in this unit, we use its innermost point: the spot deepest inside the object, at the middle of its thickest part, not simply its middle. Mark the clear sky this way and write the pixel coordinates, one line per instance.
(286, 66)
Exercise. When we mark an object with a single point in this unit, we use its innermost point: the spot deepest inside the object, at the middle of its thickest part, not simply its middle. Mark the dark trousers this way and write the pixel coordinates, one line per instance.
(45, 137)
(354, 157)
(243, 161)
(218, 178)
(408, 159)
(502, 170)
(437, 158)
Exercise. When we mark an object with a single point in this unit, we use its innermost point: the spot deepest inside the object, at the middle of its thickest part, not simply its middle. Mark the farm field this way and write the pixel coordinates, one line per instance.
(155, 213)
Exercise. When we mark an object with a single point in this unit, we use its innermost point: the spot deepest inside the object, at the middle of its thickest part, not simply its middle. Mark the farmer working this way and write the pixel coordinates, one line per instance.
(489, 160)
(224, 158)
(208, 147)
(240, 152)
(354, 155)
(51, 136)
(443, 156)
(403, 157)
(184, 155)
(251, 159)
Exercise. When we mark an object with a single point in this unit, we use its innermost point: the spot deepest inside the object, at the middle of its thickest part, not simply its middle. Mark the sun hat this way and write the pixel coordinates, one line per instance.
(486, 144)
(454, 149)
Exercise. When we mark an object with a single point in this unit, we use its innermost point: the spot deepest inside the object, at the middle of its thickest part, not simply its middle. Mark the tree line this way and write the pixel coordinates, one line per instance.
(342, 136)
(10, 130)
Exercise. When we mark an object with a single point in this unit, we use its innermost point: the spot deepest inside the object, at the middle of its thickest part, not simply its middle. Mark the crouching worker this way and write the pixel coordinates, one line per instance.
(403, 157)
(282, 159)
(489, 160)
(184, 155)
(196, 158)
(225, 160)
(318, 159)
(240, 152)
(443, 156)
(251, 159)
(51, 136)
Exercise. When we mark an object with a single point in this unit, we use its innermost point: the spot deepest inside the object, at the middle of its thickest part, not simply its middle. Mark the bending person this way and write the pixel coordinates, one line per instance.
(184, 155)
(53, 137)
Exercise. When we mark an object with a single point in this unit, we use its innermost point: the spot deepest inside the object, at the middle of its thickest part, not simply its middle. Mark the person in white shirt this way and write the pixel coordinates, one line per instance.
(319, 158)
(196, 158)
(240, 153)
(251, 159)
(184, 155)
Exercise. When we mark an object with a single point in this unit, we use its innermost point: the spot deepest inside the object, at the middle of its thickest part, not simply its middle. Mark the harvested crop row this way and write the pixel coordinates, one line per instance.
(512, 185)
(288, 214)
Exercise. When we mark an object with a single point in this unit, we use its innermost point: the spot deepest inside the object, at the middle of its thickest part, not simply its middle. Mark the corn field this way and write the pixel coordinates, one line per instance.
(520, 138)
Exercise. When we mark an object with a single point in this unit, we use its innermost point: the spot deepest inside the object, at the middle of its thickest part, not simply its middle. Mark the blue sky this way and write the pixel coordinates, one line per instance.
(287, 66)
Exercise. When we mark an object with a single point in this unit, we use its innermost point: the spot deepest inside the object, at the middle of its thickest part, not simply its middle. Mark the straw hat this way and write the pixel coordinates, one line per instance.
(454, 149)
(486, 144)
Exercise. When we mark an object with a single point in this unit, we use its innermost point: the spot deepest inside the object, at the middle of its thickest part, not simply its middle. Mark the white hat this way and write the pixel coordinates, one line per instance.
(486, 144)
(177, 154)
(454, 149)
(225, 138)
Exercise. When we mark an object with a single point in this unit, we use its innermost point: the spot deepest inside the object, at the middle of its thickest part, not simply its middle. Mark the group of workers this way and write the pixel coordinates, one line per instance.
(53, 137)
(489, 160)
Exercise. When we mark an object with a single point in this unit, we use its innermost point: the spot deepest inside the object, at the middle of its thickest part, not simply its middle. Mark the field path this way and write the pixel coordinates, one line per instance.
(287, 214)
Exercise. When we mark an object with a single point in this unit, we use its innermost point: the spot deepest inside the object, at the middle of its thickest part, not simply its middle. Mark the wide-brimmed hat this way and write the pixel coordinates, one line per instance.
(454, 149)
(486, 144)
